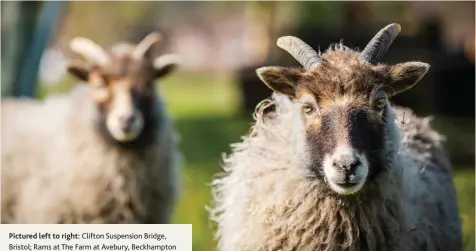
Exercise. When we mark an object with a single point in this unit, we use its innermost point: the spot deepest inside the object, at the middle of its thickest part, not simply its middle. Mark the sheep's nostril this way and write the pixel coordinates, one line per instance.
(127, 122)
(346, 165)
(353, 165)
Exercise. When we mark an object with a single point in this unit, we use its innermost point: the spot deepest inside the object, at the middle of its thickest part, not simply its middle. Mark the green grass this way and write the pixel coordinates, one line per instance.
(206, 112)
(465, 187)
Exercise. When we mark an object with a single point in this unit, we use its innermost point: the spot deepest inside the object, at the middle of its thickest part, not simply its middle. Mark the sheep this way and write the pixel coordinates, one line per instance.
(330, 165)
(107, 152)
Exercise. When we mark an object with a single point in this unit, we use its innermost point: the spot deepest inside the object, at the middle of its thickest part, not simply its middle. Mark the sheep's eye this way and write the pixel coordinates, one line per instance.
(380, 103)
(308, 108)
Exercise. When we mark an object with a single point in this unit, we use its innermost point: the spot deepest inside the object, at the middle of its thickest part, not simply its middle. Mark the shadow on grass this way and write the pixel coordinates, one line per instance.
(459, 134)
(205, 139)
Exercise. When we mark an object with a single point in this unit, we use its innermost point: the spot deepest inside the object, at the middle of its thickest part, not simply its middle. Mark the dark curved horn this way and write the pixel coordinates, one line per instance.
(380, 43)
(302, 52)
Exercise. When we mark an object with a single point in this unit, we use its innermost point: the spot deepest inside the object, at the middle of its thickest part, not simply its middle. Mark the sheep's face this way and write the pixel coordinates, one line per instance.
(124, 91)
(343, 117)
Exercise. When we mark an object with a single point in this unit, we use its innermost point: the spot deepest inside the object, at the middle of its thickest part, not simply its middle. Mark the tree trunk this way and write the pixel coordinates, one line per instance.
(18, 22)
(28, 26)
(46, 25)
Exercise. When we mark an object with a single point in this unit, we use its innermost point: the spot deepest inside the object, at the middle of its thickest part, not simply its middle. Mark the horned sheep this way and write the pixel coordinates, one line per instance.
(329, 164)
(104, 153)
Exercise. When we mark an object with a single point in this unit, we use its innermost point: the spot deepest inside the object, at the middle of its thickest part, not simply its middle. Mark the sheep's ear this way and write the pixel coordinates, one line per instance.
(79, 71)
(405, 75)
(165, 64)
(280, 79)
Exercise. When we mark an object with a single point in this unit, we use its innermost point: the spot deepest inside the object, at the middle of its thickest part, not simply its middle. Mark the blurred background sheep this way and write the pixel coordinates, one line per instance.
(104, 153)
(212, 96)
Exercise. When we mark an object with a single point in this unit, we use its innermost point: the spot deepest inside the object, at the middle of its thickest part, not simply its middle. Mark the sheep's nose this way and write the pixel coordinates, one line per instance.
(347, 163)
(127, 122)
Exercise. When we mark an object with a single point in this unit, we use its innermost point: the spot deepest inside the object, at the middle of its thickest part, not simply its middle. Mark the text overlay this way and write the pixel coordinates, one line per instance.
(84, 237)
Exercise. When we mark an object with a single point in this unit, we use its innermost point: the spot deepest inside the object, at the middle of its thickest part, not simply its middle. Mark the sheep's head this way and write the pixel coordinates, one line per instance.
(344, 129)
(122, 83)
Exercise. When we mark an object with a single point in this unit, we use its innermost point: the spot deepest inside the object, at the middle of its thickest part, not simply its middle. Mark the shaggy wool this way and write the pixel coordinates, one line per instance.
(264, 202)
(57, 169)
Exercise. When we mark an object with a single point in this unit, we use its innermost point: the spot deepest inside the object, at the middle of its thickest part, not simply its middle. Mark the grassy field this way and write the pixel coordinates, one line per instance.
(206, 112)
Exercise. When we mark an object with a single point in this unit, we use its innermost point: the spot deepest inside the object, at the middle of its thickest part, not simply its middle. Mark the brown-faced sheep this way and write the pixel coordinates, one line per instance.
(329, 167)
(104, 153)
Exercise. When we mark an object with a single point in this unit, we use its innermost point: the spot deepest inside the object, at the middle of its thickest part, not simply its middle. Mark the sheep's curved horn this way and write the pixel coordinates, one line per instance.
(146, 44)
(165, 60)
(89, 50)
(301, 51)
(380, 43)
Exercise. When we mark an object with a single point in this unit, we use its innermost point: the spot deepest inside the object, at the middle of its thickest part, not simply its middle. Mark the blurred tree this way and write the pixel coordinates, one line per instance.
(357, 16)
(18, 22)
(45, 26)
(320, 14)
(267, 21)
(104, 22)
(28, 25)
